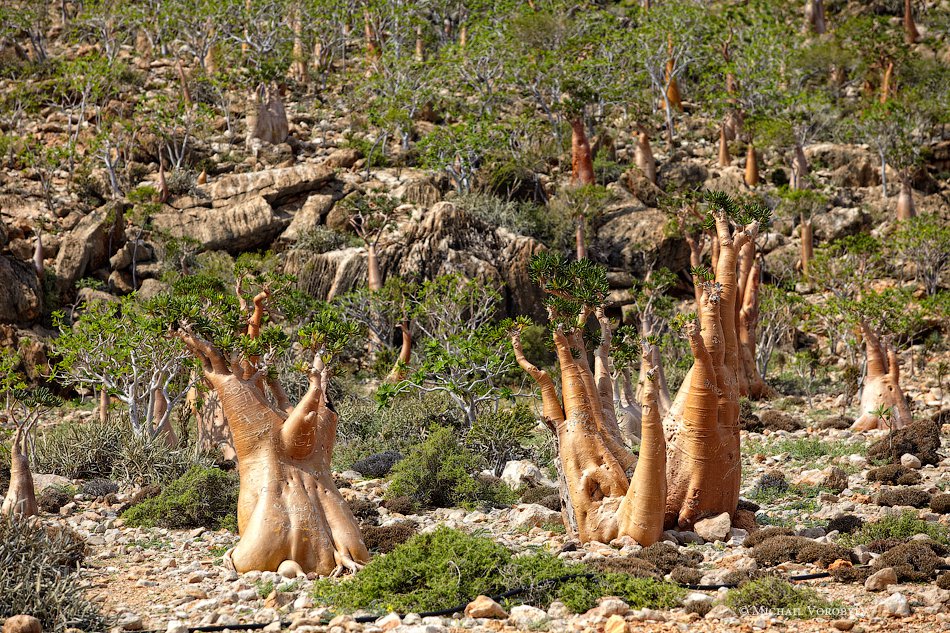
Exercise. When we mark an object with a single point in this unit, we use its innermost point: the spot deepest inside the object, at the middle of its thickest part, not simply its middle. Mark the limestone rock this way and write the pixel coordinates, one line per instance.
(22, 624)
(527, 617)
(484, 607)
(881, 580)
(615, 624)
(88, 246)
(533, 515)
(520, 473)
(309, 216)
(22, 294)
(276, 186)
(837, 223)
(910, 461)
(715, 528)
(894, 605)
(630, 236)
(244, 226)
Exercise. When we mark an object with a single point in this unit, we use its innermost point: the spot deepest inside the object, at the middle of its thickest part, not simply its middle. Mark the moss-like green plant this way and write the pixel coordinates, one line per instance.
(202, 497)
(445, 568)
(775, 595)
(902, 526)
(441, 473)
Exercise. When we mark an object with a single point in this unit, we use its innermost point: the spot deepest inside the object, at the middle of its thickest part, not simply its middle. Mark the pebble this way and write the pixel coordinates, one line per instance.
(714, 529)
(525, 616)
(484, 607)
(910, 461)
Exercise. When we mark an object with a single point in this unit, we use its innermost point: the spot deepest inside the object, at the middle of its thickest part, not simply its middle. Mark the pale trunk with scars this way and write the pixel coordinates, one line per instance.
(289, 510)
(21, 498)
(881, 387)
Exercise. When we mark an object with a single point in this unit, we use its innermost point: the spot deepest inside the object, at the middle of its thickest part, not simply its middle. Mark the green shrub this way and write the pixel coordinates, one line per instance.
(202, 497)
(903, 527)
(523, 218)
(780, 597)
(93, 450)
(499, 437)
(442, 473)
(37, 576)
(446, 567)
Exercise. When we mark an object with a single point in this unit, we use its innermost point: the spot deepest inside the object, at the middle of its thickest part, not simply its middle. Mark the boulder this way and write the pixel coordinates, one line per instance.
(527, 617)
(484, 607)
(895, 605)
(521, 473)
(444, 240)
(88, 246)
(532, 515)
(22, 624)
(276, 186)
(247, 225)
(715, 528)
(837, 223)
(681, 175)
(309, 216)
(22, 293)
(881, 580)
(629, 237)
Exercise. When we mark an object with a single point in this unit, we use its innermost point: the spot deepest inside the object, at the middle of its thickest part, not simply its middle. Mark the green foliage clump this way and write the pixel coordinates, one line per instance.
(446, 567)
(110, 450)
(501, 436)
(202, 497)
(37, 576)
(778, 596)
(441, 473)
(902, 527)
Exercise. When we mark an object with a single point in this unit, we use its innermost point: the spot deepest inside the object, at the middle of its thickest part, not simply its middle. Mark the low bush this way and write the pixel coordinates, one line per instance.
(384, 539)
(37, 576)
(940, 503)
(920, 438)
(845, 524)
(775, 595)
(55, 497)
(912, 562)
(445, 568)
(99, 487)
(894, 474)
(378, 464)
(900, 527)
(914, 497)
(501, 436)
(765, 534)
(110, 450)
(442, 473)
(202, 497)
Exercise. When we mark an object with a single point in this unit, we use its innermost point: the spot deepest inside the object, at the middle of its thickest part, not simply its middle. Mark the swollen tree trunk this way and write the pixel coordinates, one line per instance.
(38, 256)
(290, 513)
(704, 468)
(374, 279)
(808, 246)
(886, 81)
(815, 15)
(298, 67)
(640, 514)
(799, 168)
(751, 167)
(104, 402)
(756, 388)
(398, 372)
(644, 157)
(881, 387)
(724, 159)
(673, 96)
(21, 498)
(267, 119)
(582, 163)
(905, 200)
(213, 431)
(580, 238)
(911, 35)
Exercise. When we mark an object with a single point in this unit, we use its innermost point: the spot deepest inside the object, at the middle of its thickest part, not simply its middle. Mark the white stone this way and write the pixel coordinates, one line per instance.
(533, 515)
(519, 473)
(881, 580)
(894, 605)
(525, 616)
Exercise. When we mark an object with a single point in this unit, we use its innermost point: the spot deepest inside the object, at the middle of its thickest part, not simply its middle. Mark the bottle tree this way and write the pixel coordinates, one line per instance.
(22, 407)
(291, 517)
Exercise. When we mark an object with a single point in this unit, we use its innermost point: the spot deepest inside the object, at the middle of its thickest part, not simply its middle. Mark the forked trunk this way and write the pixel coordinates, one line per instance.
(290, 513)
(582, 164)
(640, 514)
(644, 157)
(911, 35)
(267, 119)
(881, 388)
(21, 498)
(751, 167)
(724, 158)
(905, 200)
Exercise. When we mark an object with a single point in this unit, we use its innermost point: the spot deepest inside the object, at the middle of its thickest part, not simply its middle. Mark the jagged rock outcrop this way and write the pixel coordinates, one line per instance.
(444, 240)
(21, 292)
(241, 212)
(632, 238)
(88, 246)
